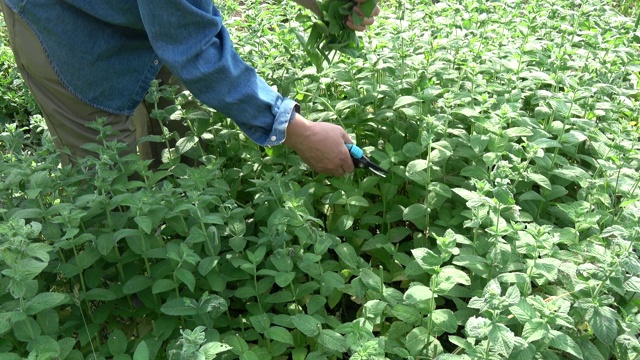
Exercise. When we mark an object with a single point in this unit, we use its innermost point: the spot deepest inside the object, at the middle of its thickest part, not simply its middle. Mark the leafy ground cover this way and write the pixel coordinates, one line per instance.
(16, 104)
(507, 229)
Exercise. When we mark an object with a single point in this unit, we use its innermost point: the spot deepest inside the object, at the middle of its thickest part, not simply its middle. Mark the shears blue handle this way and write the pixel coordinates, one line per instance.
(361, 161)
(355, 151)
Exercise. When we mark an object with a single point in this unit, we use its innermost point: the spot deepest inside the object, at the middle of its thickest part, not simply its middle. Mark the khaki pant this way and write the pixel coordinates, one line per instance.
(65, 115)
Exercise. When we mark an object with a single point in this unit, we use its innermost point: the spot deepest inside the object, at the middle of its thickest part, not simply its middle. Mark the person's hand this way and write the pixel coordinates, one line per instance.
(366, 21)
(320, 145)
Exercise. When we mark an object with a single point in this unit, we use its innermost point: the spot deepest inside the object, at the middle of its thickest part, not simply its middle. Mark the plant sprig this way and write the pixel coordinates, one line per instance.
(329, 33)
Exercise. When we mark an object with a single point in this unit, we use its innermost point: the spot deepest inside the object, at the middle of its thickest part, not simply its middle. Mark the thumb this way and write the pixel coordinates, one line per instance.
(348, 162)
(346, 138)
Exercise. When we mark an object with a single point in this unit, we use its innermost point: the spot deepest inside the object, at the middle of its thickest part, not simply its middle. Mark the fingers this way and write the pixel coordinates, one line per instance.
(338, 161)
(320, 145)
(367, 21)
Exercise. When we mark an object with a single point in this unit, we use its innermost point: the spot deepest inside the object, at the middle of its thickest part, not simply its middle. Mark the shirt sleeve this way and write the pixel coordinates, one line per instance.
(190, 38)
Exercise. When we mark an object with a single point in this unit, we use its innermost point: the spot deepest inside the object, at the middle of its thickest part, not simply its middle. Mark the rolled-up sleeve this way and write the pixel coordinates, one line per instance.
(190, 38)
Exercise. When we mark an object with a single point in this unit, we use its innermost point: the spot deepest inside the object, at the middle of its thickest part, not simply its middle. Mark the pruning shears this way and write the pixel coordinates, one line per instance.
(361, 161)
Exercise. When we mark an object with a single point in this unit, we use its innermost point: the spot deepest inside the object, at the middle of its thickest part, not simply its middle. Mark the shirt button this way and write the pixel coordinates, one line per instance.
(273, 138)
(155, 62)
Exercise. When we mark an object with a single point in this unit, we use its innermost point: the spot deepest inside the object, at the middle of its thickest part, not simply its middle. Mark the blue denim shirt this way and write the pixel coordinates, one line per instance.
(107, 52)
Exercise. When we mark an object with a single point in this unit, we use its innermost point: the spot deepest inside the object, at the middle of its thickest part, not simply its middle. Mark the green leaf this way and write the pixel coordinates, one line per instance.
(136, 284)
(408, 314)
(560, 107)
(419, 296)
(99, 294)
(344, 222)
(404, 101)
(105, 244)
(523, 311)
(180, 307)
(87, 258)
(412, 150)
(603, 322)
(123, 233)
(535, 329)
(539, 179)
(280, 334)
(474, 172)
(502, 339)
(45, 346)
(573, 173)
(415, 212)
(10, 356)
(260, 322)
(448, 277)
(467, 112)
(371, 280)
(238, 345)
(117, 342)
(444, 319)
(479, 143)
(184, 144)
(250, 355)
(43, 301)
(6, 320)
(440, 189)
(537, 76)
(26, 330)
(284, 278)
(257, 256)
(564, 342)
(367, 7)
(307, 324)
(144, 222)
(186, 277)
(544, 143)
(213, 305)
(632, 284)
(49, 321)
(416, 340)
(373, 310)
(347, 255)
(426, 258)
(333, 341)
(478, 327)
(416, 166)
(357, 201)
(163, 285)
(315, 303)
(279, 297)
(518, 132)
(237, 243)
(212, 349)
(589, 350)
(27, 214)
(332, 279)
(503, 195)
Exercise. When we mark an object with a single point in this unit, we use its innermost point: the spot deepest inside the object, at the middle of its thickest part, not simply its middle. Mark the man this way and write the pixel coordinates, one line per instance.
(84, 60)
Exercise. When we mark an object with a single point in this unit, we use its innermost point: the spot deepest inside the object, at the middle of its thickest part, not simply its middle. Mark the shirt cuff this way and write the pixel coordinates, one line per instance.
(286, 113)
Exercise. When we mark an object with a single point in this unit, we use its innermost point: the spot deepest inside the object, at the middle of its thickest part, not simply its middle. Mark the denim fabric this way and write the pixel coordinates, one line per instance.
(107, 53)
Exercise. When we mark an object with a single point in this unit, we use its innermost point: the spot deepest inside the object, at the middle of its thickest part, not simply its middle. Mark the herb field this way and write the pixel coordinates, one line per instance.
(508, 227)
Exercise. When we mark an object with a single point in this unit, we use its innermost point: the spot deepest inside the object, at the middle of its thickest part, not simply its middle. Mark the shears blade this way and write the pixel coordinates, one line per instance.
(361, 161)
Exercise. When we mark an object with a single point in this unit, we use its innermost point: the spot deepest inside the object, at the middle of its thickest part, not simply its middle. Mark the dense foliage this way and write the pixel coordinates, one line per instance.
(507, 229)
(16, 104)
